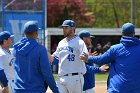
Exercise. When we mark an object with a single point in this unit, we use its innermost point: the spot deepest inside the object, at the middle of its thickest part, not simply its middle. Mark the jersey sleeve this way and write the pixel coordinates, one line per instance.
(82, 47)
(3, 78)
(93, 69)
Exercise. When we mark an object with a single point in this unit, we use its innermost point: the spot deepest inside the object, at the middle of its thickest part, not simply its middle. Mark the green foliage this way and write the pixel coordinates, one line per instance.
(59, 10)
(113, 13)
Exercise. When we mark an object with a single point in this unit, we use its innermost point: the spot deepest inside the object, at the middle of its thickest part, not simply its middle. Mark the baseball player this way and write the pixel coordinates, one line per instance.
(6, 58)
(89, 79)
(71, 69)
(124, 62)
(32, 66)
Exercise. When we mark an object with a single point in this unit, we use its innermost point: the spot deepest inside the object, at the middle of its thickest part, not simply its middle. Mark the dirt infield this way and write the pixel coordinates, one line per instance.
(100, 88)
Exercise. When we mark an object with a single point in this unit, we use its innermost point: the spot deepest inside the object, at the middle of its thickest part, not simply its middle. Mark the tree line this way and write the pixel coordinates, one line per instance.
(86, 13)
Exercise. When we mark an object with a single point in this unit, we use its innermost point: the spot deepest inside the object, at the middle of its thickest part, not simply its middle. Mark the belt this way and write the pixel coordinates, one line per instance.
(72, 74)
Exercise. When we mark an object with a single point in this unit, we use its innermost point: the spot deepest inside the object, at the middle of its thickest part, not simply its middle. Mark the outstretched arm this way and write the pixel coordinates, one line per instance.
(108, 57)
(95, 69)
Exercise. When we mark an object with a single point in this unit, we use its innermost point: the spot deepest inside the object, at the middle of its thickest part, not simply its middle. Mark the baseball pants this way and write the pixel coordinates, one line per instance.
(71, 84)
(11, 86)
(89, 91)
(0, 89)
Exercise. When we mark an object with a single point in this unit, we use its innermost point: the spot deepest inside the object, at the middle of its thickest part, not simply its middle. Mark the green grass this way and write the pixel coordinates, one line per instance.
(55, 76)
(98, 77)
(101, 77)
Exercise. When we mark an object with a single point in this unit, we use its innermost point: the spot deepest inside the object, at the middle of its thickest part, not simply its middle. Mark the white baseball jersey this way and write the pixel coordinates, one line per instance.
(68, 53)
(1, 67)
(7, 61)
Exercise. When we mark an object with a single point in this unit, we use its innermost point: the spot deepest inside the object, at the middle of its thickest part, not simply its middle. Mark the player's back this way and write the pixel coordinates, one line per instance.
(27, 66)
(125, 68)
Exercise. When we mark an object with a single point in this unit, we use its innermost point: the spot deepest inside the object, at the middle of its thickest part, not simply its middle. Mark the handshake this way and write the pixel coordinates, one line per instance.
(84, 58)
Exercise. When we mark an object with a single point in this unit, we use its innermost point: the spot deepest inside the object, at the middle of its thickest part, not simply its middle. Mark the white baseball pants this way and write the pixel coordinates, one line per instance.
(71, 84)
(89, 91)
(11, 86)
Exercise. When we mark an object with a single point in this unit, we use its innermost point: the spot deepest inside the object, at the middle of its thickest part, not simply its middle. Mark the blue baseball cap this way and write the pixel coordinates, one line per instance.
(84, 33)
(128, 28)
(5, 35)
(69, 23)
(31, 26)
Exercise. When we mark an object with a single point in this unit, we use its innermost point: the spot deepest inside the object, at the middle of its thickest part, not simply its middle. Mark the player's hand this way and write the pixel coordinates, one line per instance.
(50, 57)
(104, 68)
(93, 54)
(84, 57)
(5, 90)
